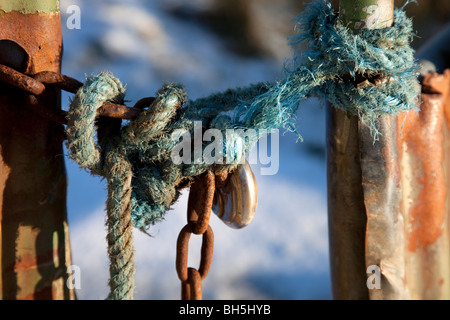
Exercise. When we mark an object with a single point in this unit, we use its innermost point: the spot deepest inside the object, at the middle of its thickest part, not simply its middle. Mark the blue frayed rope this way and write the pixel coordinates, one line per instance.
(143, 181)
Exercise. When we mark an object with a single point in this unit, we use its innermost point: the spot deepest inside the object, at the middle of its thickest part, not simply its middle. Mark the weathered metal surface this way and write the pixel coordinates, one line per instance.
(56, 115)
(62, 81)
(200, 201)
(118, 111)
(21, 81)
(350, 152)
(183, 249)
(381, 185)
(346, 212)
(402, 194)
(30, 6)
(188, 281)
(36, 86)
(381, 182)
(192, 288)
(201, 195)
(406, 198)
(235, 202)
(34, 244)
(425, 155)
(46, 37)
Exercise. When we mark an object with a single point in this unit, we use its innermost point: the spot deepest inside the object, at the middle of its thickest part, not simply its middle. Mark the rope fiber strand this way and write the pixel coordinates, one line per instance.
(143, 181)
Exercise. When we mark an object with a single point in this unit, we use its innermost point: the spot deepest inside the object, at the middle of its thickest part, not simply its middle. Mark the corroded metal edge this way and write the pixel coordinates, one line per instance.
(382, 193)
(34, 234)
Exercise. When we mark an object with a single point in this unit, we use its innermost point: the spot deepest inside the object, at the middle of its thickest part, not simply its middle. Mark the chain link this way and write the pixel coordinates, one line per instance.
(201, 194)
(36, 85)
(200, 202)
(192, 288)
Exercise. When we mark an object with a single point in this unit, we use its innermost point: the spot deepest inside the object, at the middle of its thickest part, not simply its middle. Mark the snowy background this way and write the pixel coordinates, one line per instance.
(283, 254)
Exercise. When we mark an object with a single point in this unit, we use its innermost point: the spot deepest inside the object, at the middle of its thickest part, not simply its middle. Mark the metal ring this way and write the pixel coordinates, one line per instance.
(194, 287)
(201, 196)
(62, 81)
(183, 250)
(21, 81)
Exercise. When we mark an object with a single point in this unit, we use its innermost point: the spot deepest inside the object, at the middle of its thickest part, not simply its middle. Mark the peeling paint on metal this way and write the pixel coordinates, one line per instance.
(29, 6)
(422, 131)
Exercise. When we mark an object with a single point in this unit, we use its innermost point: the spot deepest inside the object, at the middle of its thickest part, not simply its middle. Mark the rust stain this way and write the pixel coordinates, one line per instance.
(31, 32)
(381, 181)
(423, 133)
(436, 83)
(444, 87)
(28, 261)
(428, 213)
(29, 149)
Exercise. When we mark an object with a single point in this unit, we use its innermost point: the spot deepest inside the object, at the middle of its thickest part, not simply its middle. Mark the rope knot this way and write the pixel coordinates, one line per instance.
(136, 159)
(369, 74)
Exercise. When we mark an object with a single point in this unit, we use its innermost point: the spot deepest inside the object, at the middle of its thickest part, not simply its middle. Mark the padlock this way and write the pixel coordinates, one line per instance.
(235, 203)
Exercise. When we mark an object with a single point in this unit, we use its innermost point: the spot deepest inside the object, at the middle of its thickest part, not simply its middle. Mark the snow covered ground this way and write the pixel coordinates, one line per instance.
(283, 254)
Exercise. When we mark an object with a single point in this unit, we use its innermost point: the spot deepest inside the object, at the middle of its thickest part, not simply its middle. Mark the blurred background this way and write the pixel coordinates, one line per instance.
(209, 46)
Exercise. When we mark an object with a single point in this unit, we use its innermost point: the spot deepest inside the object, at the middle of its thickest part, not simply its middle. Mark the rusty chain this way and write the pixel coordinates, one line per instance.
(200, 203)
(35, 85)
(201, 192)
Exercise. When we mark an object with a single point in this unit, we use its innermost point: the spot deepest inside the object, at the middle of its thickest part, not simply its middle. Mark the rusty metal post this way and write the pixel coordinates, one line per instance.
(425, 178)
(425, 158)
(34, 239)
(388, 201)
(351, 154)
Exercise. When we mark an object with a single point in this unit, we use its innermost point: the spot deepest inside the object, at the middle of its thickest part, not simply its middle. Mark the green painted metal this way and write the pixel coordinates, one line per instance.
(366, 14)
(29, 6)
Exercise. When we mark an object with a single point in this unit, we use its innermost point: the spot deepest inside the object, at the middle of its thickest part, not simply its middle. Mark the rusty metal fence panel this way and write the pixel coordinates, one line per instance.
(389, 202)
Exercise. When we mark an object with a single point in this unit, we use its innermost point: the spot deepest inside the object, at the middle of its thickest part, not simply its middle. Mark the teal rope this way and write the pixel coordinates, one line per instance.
(143, 182)
(120, 227)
